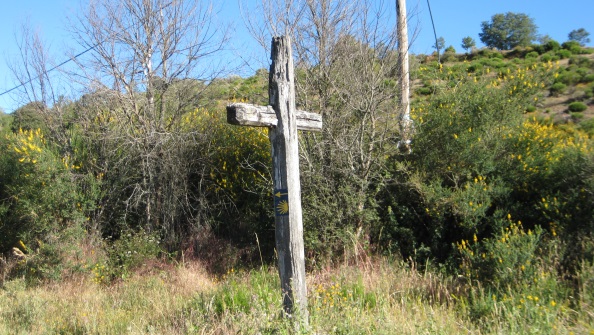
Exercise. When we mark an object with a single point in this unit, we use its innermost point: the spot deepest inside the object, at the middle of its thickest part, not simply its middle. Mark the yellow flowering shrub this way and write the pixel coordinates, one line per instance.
(477, 157)
(508, 258)
(38, 198)
(237, 180)
(240, 156)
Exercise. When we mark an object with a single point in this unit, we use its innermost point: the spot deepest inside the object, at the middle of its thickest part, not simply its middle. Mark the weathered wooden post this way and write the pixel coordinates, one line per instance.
(283, 121)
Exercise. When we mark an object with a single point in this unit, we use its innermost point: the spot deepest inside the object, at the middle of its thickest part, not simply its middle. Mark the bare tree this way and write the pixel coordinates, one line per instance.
(347, 71)
(38, 88)
(149, 60)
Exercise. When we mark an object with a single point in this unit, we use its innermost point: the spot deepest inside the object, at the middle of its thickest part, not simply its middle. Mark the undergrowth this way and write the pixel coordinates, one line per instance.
(374, 297)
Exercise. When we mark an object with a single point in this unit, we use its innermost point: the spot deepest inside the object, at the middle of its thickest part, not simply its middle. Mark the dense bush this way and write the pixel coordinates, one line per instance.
(548, 57)
(573, 46)
(569, 77)
(558, 88)
(38, 196)
(577, 106)
(477, 163)
(588, 78)
(563, 53)
(453, 171)
(45, 202)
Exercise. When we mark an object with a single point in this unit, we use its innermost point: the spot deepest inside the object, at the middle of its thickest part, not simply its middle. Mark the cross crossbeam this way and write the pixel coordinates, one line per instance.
(242, 114)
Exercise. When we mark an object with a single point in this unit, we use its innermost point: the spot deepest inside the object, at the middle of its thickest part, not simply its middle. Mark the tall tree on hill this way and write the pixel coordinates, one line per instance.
(580, 36)
(439, 44)
(507, 31)
(143, 53)
(468, 43)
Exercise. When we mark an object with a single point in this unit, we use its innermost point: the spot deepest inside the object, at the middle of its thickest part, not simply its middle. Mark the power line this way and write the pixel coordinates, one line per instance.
(434, 32)
(50, 70)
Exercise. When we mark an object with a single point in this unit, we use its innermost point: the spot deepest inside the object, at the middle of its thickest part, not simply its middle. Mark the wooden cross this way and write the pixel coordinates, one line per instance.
(283, 121)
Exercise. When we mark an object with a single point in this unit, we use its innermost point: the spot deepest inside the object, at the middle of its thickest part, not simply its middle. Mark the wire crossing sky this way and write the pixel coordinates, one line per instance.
(454, 20)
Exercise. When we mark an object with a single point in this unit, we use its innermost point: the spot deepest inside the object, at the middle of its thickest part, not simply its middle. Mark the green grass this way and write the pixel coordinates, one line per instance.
(370, 298)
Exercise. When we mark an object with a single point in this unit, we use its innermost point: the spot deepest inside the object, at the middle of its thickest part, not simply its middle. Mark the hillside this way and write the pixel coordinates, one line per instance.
(573, 81)
(136, 208)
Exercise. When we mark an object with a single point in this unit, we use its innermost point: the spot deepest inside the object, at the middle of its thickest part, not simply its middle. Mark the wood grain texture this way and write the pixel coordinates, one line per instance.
(289, 228)
(243, 114)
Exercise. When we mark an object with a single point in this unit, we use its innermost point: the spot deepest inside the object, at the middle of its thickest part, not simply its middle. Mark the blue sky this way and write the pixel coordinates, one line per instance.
(454, 19)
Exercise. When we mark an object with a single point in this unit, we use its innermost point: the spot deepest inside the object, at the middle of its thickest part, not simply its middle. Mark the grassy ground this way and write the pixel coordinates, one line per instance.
(367, 298)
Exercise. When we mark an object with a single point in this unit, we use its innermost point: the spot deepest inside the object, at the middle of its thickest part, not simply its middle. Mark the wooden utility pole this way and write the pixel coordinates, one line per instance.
(405, 121)
(283, 121)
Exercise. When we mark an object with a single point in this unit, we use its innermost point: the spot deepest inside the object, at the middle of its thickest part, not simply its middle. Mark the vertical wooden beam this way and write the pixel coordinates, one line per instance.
(287, 188)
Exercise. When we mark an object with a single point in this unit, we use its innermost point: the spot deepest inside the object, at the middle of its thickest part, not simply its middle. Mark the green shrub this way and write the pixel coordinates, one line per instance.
(532, 54)
(424, 90)
(475, 66)
(562, 54)
(580, 61)
(131, 250)
(551, 45)
(573, 46)
(546, 57)
(577, 115)
(558, 88)
(497, 55)
(577, 106)
(530, 109)
(569, 77)
(588, 78)
(506, 260)
(39, 197)
(454, 177)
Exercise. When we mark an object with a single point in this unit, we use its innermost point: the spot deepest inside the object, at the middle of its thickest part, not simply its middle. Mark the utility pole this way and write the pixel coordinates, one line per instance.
(406, 126)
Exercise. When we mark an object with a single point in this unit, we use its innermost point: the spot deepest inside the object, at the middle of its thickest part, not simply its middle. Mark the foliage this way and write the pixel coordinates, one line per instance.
(38, 196)
(439, 44)
(558, 88)
(450, 50)
(239, 178)
(353, 87)
(577, 106)
(458, 184)
(580, 36)
(468, 43)
(153, 168)
(508, 260)
(128, 252)
(5, 122)
(28, 118)
(45, 204)
(548, 46)
(587, 126)
(573, 46)
(506, 31)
